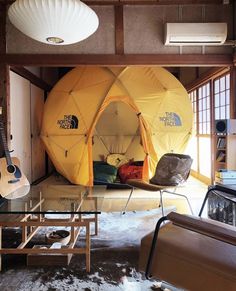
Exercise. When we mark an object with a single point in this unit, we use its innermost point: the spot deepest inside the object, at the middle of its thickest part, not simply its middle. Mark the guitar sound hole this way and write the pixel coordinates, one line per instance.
(11, 169)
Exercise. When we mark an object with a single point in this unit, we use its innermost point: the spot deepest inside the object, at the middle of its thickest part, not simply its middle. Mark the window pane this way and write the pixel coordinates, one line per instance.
(227, 97)
(204, 102)
(208, 115)
(208, 102)
(222, 83)
(200, 92)
(200, 116)
(204, 90)
(227, 115)
(217, 100)
(204, 116)
(208, 89)
(200, 105)
(222, 98)
(227, 81)
(216, 87)
(222, 112)
(217, 113)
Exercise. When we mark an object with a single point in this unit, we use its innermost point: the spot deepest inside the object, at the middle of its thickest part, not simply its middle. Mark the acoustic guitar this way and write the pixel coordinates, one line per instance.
(13, 183)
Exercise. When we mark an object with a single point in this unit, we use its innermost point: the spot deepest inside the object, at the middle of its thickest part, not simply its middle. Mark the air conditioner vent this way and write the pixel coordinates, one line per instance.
(195, 33)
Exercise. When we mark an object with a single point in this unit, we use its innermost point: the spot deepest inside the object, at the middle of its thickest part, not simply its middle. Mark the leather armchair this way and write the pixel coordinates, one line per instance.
(191, 253)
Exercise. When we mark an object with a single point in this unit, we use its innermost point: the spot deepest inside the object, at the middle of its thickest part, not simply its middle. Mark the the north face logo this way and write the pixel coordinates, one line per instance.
(171, 119)
(69, 122)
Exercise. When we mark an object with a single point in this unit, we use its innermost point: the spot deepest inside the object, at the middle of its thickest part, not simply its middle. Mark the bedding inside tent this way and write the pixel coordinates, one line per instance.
(142, 112)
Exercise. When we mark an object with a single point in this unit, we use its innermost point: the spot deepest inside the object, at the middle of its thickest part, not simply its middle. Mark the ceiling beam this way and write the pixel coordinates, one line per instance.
(140, 2)
(116, 60)
(23, 72)
(119, 30)
(205, 77)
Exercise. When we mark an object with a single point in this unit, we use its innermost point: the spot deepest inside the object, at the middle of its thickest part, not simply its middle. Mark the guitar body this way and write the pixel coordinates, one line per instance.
(13, 182)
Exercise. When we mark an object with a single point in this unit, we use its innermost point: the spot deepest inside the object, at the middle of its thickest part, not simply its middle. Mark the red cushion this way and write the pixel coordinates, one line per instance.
(128, 171)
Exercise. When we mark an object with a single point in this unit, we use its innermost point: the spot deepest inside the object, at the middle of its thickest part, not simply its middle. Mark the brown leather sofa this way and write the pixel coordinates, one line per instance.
(191, 253)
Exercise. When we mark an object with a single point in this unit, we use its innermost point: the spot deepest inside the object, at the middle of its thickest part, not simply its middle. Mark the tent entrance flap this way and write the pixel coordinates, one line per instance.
(117, 131)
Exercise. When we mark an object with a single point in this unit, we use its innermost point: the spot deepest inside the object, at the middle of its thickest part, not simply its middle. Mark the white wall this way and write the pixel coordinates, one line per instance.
(20, 122)
(26, 107)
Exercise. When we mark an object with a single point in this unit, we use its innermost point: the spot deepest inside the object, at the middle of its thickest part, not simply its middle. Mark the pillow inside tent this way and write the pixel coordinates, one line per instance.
(103, 172)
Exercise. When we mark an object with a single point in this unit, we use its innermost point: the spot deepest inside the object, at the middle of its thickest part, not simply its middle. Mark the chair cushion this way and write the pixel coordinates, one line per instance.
(172, 170)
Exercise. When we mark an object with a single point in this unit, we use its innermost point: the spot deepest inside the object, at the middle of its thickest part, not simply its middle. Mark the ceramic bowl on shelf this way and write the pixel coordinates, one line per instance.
(62, 236)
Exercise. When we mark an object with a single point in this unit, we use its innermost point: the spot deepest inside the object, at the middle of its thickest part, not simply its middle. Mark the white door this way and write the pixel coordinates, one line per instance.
(20, 122)
(38, 152)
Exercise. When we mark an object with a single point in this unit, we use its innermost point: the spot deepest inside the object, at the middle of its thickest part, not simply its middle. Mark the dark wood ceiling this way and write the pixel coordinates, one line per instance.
(144, 2)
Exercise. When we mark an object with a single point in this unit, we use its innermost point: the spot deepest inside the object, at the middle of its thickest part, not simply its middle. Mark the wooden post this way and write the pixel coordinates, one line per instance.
(3, 68)
(96, 216)
(31, 228)
(40, 205)
(72, 229)
(24, 228)
(87, 254)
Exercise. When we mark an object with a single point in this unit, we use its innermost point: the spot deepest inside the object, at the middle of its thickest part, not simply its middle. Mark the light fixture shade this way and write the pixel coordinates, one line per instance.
(56, 22)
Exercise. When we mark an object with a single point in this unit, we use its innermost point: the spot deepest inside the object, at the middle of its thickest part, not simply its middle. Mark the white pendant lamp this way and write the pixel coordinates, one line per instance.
(57, 22)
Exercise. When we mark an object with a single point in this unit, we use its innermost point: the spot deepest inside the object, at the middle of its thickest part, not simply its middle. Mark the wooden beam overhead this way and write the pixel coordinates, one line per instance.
(207, 76)
(23, 72)
(56, 60)
(140, 2)
(152, 2)
(119, 30)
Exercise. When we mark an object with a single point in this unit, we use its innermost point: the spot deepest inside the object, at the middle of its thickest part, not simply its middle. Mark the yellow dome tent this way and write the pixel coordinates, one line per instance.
(142, 112)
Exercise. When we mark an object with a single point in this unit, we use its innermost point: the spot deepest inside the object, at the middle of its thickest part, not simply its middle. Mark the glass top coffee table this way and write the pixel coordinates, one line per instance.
(70, 206)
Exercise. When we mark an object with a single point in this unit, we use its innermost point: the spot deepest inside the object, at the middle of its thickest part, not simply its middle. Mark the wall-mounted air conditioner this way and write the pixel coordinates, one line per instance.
(195, 33)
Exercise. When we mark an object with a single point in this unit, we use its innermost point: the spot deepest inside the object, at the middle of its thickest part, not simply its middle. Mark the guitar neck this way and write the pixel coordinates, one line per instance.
(5, 146)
